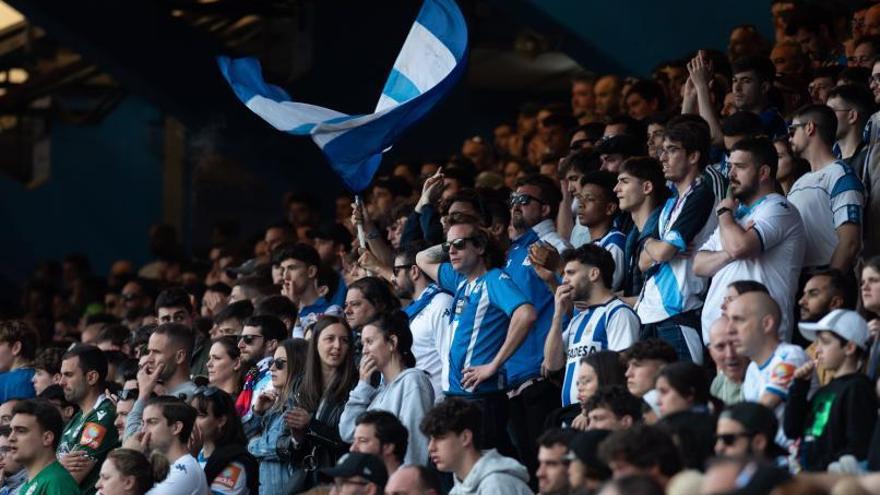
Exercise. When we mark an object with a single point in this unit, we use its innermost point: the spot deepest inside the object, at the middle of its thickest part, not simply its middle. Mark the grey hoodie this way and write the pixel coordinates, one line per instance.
(494, 474)
(408, 397)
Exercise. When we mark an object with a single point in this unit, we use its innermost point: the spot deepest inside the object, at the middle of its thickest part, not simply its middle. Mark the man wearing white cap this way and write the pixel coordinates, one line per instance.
(835, 422)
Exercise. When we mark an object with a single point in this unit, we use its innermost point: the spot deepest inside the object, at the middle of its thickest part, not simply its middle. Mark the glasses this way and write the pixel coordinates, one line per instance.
(249, 339)
(792, 128)
(522, 199)
(128, 394)
(840, 109)
(729, 439)
(278, 364)
(397, 268)
(458, 244)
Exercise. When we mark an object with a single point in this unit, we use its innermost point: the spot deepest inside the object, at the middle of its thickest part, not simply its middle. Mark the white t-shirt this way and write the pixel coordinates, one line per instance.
(185, 477)
(826, 199)
(774, 376)
(778, 266)
(615, 243)
(431, 334)
(611, 326)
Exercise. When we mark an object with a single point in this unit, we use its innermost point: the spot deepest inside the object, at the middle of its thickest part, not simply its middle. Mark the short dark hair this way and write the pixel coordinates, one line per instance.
(270, 327)
(49, 359)
(617, 399)
(90, 359)
(762, 67)
(556, 436)
(105, 318)
(581, 161)
(174, 297)
(823, 118)
(693, 134)
(858, 76)
(12, 331)
(649, 90)
(278, 306)
(428, 479)
(45, 413)
(550, 193)
(179, 334)
(652, 348)
(593, 255)
(239, 310)
(762, 151)
(811, 18)
(174, 410)
(117, 334)
(644, 447)
(389, 430)
(297, 251)
(743, 286)
(841, 285)
(454, 415)
(688, 379)
(648, 169)
(606, 181)
(858, 97)
(742, 123)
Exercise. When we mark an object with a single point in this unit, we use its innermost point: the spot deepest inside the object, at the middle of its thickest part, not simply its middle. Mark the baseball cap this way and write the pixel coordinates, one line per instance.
(623, 144)
(756, 418)
(844, 322)
(249, 267)
(367, 466)
(585, 448)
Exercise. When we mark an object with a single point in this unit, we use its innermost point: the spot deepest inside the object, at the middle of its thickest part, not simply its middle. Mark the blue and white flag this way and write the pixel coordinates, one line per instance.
(427, 67)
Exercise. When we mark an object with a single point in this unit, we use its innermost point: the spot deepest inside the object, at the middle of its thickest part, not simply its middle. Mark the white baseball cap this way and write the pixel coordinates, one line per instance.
(843, 322)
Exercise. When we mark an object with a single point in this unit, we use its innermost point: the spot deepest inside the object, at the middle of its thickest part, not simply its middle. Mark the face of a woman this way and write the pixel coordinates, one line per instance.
(871, 289)
(333, 345)
(358, 310)
(376, 346)
(279, 377)
(669, 400)
(786, 162)
(111, 481)
(587, 382)
(221, 367)
(208, 424)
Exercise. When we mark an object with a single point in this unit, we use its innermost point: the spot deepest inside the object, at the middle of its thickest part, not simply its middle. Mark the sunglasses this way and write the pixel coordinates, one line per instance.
(458, 244)
(249, 339)
(522, 199)
(278, 364)
(792, 128)
(729, 439)
(128, 394)
(396, 269)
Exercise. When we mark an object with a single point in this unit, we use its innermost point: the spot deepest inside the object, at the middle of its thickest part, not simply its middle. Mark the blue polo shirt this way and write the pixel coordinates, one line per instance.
(479, 321)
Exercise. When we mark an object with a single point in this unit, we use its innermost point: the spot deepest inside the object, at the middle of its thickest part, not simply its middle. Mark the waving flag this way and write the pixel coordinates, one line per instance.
(429, 64)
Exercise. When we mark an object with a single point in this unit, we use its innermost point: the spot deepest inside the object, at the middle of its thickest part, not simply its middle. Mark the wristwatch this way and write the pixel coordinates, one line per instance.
(722, 211)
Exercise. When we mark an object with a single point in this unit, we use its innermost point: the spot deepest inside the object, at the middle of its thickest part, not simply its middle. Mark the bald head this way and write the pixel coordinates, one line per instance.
(754, 323)
(410, 480)
(718, 331)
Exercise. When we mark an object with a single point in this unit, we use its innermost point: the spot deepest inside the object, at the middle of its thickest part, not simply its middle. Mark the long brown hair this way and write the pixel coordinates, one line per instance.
(311, 390)
(296, 350)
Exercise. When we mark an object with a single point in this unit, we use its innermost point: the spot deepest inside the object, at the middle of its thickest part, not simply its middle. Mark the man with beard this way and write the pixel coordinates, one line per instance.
(533, 206)
(260, 337)
(759, 236)
(428, 316)
(824, 292)
(605, 323)
(169, 350)
(91, 433)
(552, 471)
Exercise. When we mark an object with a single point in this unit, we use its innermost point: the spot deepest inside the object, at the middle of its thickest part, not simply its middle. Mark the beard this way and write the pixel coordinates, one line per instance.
(745, 192)
(169, 371)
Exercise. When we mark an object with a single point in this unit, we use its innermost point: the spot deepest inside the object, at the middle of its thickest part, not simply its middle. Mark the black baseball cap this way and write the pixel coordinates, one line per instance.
(584, 447)
(367, 466)
(757, 418)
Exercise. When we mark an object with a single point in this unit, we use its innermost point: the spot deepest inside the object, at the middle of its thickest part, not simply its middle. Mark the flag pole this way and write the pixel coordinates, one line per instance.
(362, 238)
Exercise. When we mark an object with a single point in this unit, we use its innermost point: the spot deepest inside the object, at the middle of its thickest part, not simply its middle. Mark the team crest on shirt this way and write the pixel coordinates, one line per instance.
(782, 374)
(228, 478)
(92, 435)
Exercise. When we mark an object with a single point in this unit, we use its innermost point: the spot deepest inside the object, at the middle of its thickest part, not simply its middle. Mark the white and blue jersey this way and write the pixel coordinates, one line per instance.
(480, 320)
(309, 315)
(611, 326)
(615, 243)
(685, 222)
(525, 363)
(826, 199)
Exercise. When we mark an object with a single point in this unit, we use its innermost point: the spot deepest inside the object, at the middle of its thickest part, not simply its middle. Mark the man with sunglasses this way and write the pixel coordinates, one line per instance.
(91, 433)
(490, 319)
(830, 197)
(748, 429)
(533, 206)
(259, 339)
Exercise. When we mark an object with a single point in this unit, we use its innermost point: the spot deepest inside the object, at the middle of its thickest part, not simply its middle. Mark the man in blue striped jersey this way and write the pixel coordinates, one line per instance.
(604, 322)
(490, 319)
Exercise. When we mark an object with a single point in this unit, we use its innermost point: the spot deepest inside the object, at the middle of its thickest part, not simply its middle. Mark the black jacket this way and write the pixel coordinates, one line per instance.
(225, 455)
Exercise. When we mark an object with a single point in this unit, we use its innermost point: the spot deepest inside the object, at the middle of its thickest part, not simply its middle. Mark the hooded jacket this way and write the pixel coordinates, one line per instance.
(494, 474)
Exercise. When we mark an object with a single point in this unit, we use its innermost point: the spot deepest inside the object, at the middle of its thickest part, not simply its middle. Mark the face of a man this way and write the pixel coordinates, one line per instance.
(552, 471)
(365, 440)
(297, 275)
(162, 353)
(744, 176)
(638, 107)
(747, 91)
(641, 375)
(819, 88)
(816, 301)
(863, 56)
(404, 287)
(602, 418)
(674, 158)
(73, 381)
(582, 98)
(607, 95)
(27, 439)
(724, 353)
(785, 59)
(842, 111)
(593, 205)
(155, 424)
(252, 344)
(744, 327)
(446, 451)
(123, 407)
(7, 356)
(797, 136)
(630, 191)
(466, 259)
(174, 314)
(528, 215)
(577, 275)
(7, 464)
(731, 438)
